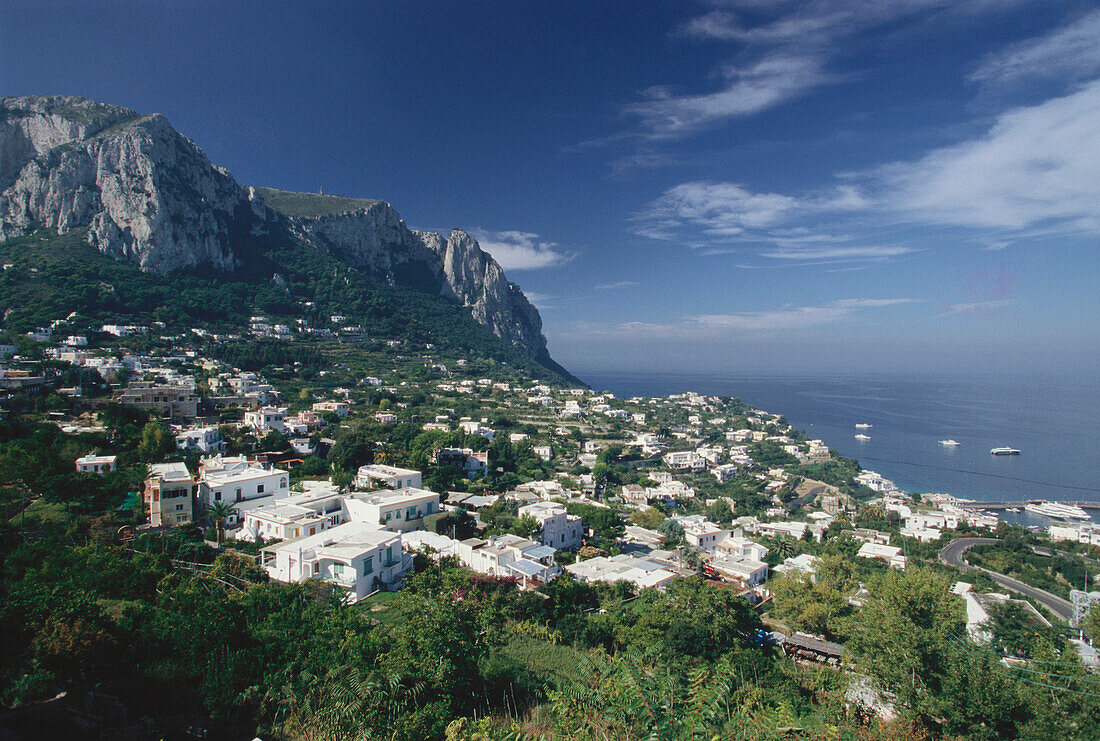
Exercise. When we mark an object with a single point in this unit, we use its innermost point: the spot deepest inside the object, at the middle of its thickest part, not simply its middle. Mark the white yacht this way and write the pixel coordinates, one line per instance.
(949, 443)
(1004, 451)
(861, 436)
(863, 426)
(1055, 510)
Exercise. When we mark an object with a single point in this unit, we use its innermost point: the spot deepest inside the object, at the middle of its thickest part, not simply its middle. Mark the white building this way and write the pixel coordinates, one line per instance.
(339, 408)
(266, 418)
(398, 510)
(99, 464)
(297, 515)
(888, 553)
(390, 477)
(359, 557)
(749, 572)
(804, 563)
(701, 532)
(560, 529)
(652, 570)
(685, 460)
(875, 481)
(239, 481)
(170, 494)
(738, 546)
(1078, 532)
(529, 562)
(202, 440)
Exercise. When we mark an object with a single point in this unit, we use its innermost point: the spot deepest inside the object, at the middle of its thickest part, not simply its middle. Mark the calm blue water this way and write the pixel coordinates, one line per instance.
(1054, 422)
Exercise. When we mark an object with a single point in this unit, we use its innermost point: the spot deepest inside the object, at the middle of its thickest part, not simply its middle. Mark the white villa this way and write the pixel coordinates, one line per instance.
(399, 510)
(238, 480)
(359, 557)
(390, 477)
(560, 529)
(99, 464)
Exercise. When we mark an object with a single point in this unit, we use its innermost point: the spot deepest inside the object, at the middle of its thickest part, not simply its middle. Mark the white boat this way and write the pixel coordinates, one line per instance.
(1056, 511)
(1004, 451)
(863, 437)
(863, 426)
(1013, 509)
(949, 442)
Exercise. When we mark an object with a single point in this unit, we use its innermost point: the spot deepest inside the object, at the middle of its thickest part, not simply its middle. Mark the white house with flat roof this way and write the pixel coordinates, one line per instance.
(99, 464)
(236, 480)
(201, 439)
(399, 510)
(359, 557)
(170, 494)
(701, 532)
(266, 419)
(888, 553)
(391, 477)
(747, 571)
(651, 570)
(300, 514)
(339, 408)
(529, 562)
(560, 529)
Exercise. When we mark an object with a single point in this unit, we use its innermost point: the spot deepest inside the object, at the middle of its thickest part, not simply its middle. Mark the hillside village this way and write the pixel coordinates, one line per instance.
(317, 455)
(347, 478)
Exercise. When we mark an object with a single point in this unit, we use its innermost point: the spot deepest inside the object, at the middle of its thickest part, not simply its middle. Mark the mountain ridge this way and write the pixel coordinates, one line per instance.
(149, 195)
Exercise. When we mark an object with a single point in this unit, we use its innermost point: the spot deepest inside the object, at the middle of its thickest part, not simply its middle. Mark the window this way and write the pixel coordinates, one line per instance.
(217, 496)
(179, 508)
(313, 531)
(282, 483)
(410, 513)
(388, 516)
(259, 488)
(368, 565)
(338, 569)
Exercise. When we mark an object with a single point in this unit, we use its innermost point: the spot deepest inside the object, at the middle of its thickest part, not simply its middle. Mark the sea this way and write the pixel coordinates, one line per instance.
(1053, 420)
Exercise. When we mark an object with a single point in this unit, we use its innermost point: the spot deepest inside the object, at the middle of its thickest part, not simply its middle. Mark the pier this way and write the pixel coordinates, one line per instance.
(1022, 504)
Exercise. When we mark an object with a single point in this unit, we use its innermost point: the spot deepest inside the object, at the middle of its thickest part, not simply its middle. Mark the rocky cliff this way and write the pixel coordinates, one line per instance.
(148, 194)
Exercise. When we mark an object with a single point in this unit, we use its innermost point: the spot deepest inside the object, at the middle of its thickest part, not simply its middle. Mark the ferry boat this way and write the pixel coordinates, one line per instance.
(949, 442)
(1004, 451)
(1055, 510)
(863, 437)
(863, 426)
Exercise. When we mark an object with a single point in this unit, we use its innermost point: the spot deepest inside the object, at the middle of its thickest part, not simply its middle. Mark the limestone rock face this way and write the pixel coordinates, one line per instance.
(148, 194)
(144, 191)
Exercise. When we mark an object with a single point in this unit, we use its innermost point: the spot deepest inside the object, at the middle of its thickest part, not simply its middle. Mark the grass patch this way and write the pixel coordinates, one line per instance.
(311, 205)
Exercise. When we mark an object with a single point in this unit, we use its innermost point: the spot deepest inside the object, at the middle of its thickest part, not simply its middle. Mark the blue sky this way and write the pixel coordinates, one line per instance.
(739, 185)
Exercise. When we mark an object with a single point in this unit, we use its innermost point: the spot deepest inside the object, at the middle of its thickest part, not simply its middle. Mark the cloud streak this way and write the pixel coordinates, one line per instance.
(516, 250)
(718, 326)
(1071, 52)
(1034, 171)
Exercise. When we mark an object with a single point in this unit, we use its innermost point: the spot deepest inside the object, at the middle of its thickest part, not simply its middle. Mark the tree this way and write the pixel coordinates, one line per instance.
(156, 441)
(905, 635)
(648, 518)
(220, 512)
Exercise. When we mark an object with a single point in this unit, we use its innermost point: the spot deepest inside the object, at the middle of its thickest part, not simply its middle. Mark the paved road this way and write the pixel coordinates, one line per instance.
(952, 555)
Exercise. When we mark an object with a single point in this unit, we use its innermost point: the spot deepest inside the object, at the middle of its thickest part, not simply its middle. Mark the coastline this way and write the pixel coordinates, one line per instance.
(1053, 420)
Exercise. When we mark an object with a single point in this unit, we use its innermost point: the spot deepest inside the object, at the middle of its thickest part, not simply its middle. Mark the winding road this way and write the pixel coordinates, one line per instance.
(952, 555)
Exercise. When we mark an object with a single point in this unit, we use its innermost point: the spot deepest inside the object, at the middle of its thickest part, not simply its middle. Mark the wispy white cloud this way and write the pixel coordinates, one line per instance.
(516, 250)
(978, 307)
(747, 90)
(1034, 172)
(785, 50)
(541, 301)
(796, 317)
(837, 253)
(1070, 53)
(1036, 165)
(715, 326)
(615, 285)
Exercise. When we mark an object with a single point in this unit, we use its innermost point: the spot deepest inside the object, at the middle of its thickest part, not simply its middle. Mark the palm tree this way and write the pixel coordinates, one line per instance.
(220, 511)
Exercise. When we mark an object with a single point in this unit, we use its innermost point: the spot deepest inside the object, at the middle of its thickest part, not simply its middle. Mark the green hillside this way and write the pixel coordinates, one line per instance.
(48, 276)
(311, 205)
